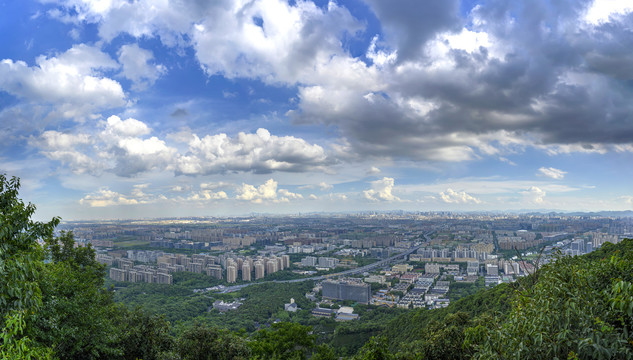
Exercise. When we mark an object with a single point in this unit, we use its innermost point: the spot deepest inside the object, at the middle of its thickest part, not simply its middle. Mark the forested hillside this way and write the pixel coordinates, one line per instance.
(54, 305)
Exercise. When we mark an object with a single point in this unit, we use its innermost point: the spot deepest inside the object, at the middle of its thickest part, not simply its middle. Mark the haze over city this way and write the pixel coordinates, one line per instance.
(119, 109)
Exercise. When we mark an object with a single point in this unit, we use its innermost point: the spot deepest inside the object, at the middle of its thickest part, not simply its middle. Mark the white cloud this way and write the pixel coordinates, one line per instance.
(627, 199)
(373, 171)
(127, 128)
(106, 197)
(551, 172)
(286, 196)
(323, 186)
(139, 194)
(137, 66)
(56, 140)
(69, 149)
(71, 82)
(602, 10)
(215, 185)
(270, 40)
(458, 197)
(381, 190)
(126, 148)
(265, 192)
(313, 197)
(121, 141)
(380, 57)
(337, 196)
(260, 152)
(208, 195)
(423, 85)
(535, 195)
(120, 147)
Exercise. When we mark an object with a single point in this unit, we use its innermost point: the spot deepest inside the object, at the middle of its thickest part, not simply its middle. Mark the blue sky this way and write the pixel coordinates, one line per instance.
(135, 109)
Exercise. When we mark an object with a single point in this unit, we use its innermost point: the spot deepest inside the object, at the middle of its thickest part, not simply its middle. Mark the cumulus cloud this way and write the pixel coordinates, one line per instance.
(69, 149)
(458, 197)
(106, 197)
(439, 87)
(208, 195)
(337, 197)
(260, 153)
(551, 172)
(410, 24)
(271, 40)
(286, 196)
(601, 11)
(534, 195)
(71, 82)
(265, 192)
(126, 148)
(123, 143)
(381, 190)
(544, 89)
(137, 66)
(120, 147)
(125, 128)
(373, 171)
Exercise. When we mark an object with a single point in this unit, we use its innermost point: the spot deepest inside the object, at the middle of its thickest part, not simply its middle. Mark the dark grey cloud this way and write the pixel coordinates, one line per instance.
(408, 24)
(559, 81)
(179, 113)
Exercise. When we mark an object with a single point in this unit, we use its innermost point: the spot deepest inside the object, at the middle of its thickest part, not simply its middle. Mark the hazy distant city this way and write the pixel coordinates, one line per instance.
(404, 260)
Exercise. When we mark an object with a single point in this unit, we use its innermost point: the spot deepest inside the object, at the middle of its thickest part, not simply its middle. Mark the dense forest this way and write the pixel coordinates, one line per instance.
(54, 304)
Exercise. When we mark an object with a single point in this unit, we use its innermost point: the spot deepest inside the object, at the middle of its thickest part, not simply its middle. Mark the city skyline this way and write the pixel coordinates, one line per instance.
(118, 109)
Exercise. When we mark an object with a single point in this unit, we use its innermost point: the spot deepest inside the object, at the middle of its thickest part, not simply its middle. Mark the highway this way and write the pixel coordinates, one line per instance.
(358, 270)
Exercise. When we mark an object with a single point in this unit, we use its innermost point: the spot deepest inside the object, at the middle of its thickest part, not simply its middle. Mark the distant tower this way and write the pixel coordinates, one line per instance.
(259, 270)
(231, 274)
(271, 266)
(246, 272)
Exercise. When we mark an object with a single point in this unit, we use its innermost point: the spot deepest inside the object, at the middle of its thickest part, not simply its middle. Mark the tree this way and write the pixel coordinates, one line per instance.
(324, 352)
(580, 308)
(442, 339)
(375, 349)
(144, 336)
(78, 317)
(283, 341)
(15, 346)
(201, 342)
(20, 269)
(20, 253)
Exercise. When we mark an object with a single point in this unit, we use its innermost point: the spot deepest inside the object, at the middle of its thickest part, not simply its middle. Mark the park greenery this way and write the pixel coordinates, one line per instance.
(55, 304)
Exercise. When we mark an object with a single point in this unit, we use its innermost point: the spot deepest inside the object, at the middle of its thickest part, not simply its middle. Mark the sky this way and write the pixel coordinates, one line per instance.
(115, 109)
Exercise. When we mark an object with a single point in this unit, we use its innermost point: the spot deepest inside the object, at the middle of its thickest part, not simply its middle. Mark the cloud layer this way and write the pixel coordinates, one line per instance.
(365, 105)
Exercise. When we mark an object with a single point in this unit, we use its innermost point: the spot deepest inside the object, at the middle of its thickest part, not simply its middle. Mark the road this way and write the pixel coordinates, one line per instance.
(361, 269)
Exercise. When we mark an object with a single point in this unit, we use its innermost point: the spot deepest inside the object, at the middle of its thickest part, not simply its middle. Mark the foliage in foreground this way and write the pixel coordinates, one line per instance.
(573, 308)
